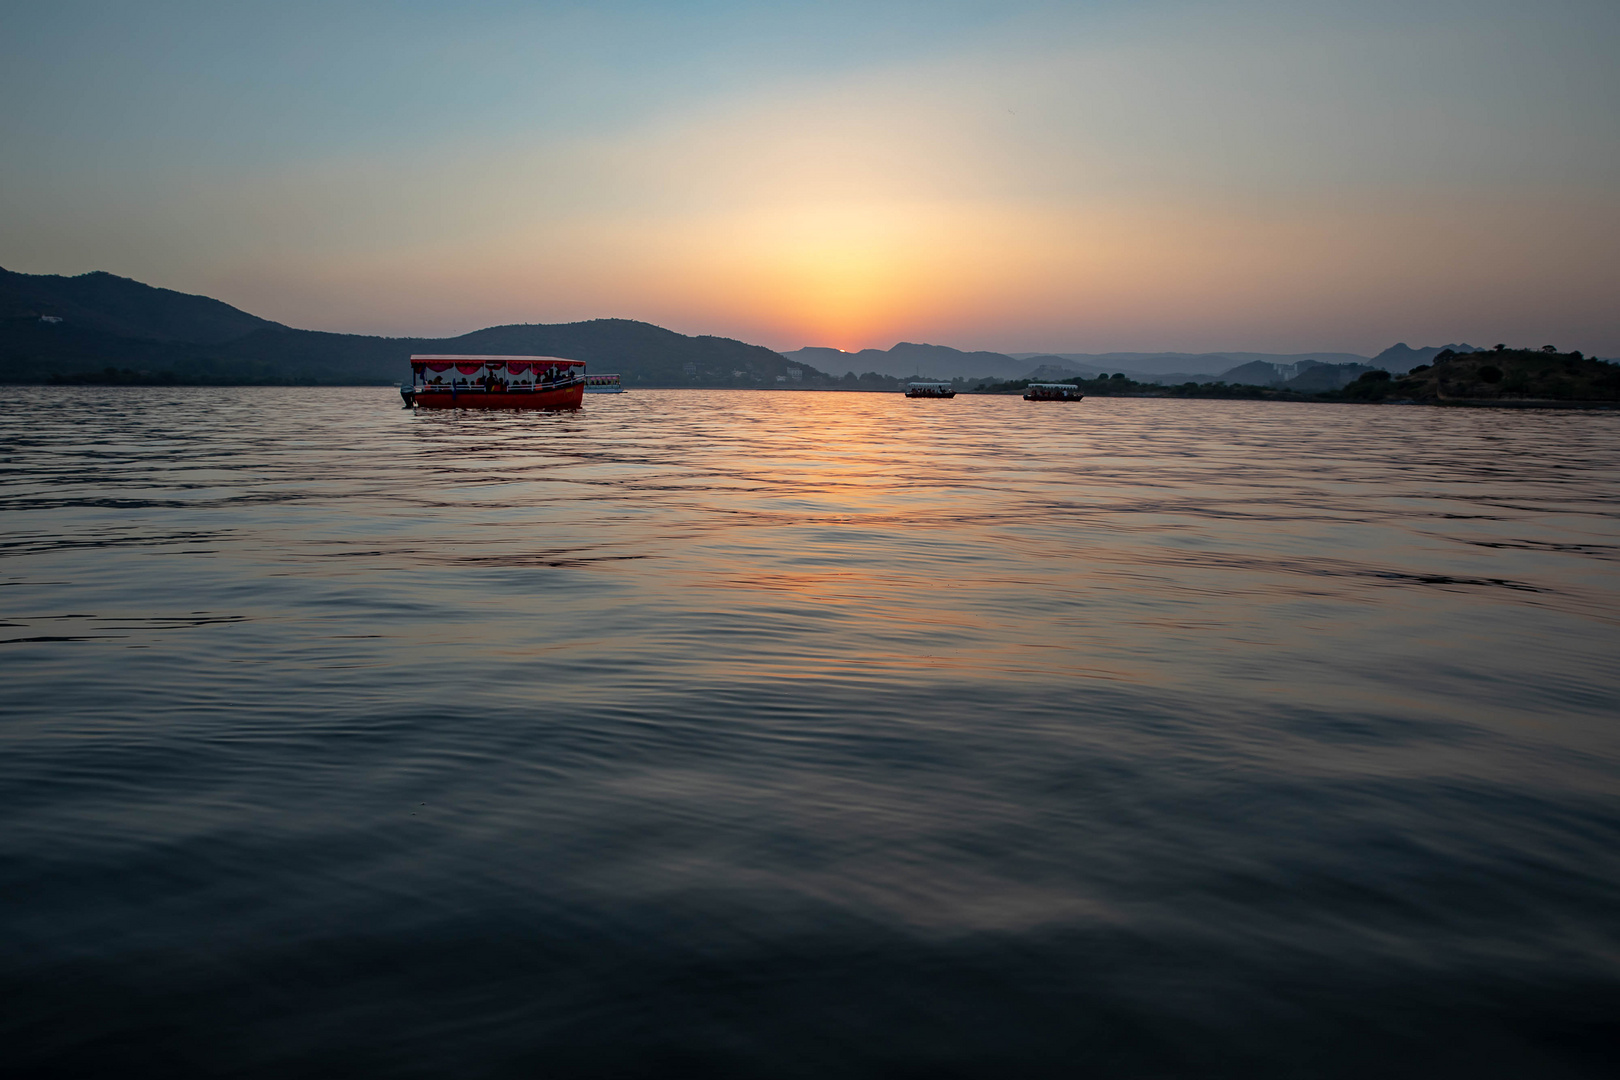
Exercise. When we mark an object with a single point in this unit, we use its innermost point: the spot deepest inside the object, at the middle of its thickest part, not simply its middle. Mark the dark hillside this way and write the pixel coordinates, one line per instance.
(1502, 376)
(644, 354)
(36, 352)
(640, 351)
(109, 304)
(79, 329)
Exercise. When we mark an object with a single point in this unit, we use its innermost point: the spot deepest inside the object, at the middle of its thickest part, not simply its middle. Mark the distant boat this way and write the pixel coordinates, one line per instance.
(1052, 391)
(495, 382)
(603, 384)
(930, 389)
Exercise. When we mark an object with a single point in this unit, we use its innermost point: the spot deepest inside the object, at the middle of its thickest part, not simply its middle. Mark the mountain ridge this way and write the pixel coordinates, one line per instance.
(1178, 363)
(912, 359)
(53, 327)
(1400, 357)
(124, 307)
(909, 359)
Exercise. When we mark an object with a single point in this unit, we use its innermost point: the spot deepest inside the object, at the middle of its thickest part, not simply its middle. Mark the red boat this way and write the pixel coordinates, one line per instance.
(495, 382)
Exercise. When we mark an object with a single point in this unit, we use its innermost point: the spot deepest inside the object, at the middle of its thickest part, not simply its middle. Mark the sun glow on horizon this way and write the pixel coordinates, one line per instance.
(1067, 178)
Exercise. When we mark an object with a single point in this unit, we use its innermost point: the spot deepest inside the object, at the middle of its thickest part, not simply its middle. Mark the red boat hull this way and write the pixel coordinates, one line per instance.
(566, 397)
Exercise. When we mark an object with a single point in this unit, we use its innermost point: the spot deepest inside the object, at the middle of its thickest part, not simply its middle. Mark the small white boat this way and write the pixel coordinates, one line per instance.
(603, 384)
(1052, 391)
(930, 389)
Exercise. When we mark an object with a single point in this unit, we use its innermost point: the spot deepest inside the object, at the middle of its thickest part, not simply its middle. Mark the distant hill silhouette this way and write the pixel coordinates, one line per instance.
(1054, 369)
(909, 359)
(1401, 357)
(1254, 373)
(1306, 376)
(119, 307)
(1295, 370)
(1174, 366)
(642, 353)
(113, 322)
(1319, 378)
(105, 328)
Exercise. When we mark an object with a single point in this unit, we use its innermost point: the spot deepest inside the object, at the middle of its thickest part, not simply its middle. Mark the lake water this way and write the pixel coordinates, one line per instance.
(806, 735)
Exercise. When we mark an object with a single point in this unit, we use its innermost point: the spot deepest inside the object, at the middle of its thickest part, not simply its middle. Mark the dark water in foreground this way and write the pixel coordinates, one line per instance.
(807, 735)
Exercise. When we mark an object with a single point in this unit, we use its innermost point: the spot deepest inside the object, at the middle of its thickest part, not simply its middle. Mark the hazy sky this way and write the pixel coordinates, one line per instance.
(1015, 176)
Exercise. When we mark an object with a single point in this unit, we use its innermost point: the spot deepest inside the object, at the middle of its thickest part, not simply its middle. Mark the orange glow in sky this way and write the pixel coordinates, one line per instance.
(1142, 176)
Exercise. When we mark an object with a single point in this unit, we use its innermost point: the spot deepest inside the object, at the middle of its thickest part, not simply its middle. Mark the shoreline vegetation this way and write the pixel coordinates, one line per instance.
(98, 329)
(1498, 378)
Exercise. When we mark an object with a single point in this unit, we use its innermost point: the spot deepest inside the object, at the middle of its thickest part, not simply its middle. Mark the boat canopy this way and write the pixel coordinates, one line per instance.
(470, 365)
(1053, 386)
(506, 370)
(940, 384)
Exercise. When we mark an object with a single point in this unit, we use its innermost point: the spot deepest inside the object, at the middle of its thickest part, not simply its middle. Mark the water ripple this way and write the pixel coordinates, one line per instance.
(794, 734)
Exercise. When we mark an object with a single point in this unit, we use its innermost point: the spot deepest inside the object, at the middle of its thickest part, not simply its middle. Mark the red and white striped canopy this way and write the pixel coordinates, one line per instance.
(471, 365)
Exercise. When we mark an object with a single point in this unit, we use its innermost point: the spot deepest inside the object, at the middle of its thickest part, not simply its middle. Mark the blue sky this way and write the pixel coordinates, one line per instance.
(1014, 176)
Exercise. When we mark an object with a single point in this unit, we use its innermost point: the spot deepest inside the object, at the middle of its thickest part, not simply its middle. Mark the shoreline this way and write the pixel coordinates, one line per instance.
(1451, 403)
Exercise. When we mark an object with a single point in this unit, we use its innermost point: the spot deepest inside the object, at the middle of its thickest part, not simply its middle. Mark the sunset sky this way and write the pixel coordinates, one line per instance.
(1013, 176)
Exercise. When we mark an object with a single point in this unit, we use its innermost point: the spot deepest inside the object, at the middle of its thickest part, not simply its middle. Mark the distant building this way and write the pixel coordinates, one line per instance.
(689, 368)
(795, 373)
(738, 374)
(50, 318)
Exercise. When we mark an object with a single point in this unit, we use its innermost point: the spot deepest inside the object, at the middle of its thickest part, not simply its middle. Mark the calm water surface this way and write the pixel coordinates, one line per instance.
(806, 735)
